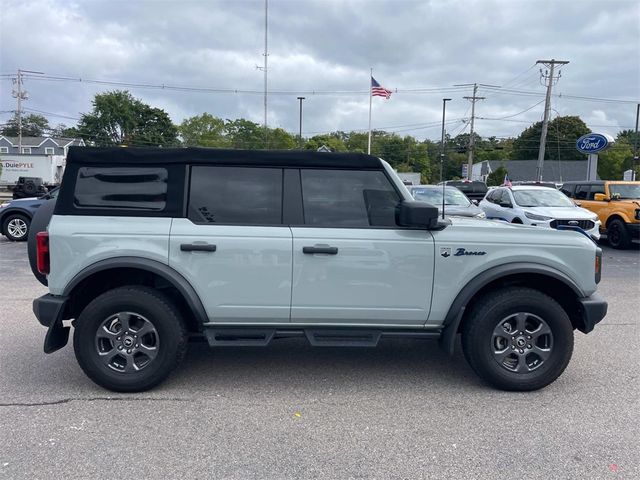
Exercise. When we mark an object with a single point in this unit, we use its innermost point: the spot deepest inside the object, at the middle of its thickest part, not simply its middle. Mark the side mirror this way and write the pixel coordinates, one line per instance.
(506, 205)
(475, 202)
(600, 197)
(417, 215)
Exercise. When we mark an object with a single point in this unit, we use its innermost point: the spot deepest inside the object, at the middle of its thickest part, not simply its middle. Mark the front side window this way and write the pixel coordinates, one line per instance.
(582, 192)
(568, 190)
(348, 198)
(505, 198)
(121, 188)
(235, 195)
(595, 189)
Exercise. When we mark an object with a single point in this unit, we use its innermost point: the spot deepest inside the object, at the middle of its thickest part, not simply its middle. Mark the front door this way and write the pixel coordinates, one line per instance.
(351, 264)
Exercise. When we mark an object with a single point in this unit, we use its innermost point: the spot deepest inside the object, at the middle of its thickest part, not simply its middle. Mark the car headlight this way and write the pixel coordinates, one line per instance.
(480, 215)
(540, 218)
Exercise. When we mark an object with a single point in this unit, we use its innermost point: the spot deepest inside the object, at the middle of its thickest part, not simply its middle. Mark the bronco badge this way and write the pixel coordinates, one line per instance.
(461, 251)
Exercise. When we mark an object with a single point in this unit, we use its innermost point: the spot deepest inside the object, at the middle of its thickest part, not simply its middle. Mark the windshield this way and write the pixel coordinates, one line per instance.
(452, 196)
(625, 191)
(541, 198)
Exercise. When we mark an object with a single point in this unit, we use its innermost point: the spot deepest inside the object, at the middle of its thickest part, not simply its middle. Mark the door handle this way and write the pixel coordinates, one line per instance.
(320, 249)
(197, 247)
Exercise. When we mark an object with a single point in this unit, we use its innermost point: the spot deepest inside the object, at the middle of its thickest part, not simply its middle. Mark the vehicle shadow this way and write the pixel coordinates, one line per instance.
(292, 364)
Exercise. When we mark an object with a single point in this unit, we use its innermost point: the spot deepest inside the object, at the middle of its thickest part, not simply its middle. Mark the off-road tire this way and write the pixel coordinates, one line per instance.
(489, 313)
(8, 227)
(158, 310)
(618, 235)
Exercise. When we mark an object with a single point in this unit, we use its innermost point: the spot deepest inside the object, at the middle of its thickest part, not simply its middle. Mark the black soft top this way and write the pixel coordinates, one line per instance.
(217, 156)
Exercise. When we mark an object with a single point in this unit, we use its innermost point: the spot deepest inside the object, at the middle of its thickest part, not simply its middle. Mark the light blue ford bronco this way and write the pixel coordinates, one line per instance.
(146, 248)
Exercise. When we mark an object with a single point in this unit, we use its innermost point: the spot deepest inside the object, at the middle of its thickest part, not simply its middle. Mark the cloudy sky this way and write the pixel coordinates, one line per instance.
(323, 50)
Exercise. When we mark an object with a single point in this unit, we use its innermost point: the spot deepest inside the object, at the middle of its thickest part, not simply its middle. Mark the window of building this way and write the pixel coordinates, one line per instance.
(339, 198)
(124, 188)
(49, 150)
(235, 195)
(26, 150)
(4, 149)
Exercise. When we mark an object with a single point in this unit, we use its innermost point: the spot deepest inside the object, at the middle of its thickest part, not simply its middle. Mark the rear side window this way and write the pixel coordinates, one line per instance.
(567, 189)
(235, 195)
(348, 198)
(123, 188)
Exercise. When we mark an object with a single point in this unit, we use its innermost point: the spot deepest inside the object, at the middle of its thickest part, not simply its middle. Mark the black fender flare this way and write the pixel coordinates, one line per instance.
(456, 311)
(153, 266)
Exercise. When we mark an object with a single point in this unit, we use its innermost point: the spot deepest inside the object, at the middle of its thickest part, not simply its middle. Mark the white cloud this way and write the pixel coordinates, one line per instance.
(329, 46)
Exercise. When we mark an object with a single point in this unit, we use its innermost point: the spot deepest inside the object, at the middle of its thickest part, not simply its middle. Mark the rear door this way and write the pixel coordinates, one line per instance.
(233, 247)
(351, 263)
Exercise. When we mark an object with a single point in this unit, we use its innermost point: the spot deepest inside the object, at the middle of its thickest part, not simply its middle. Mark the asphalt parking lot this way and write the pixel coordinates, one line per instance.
(403, 410)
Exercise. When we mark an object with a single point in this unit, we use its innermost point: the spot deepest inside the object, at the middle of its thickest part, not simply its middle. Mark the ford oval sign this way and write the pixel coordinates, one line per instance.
(593, 143)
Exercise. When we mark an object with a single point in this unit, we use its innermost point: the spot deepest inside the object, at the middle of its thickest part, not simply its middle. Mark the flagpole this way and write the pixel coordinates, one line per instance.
(370, 98)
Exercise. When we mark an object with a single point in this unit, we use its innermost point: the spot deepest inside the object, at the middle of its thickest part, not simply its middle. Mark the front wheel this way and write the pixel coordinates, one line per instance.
(617, 234)
(518, 339)
(129, 339)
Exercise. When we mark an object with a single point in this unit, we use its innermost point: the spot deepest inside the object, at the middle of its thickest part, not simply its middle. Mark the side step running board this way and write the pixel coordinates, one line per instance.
(239, 337)
(317, 337)
(343, 338)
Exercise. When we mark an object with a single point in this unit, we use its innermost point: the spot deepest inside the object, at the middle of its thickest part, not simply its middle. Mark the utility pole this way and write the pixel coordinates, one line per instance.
(635, 145)
(444, 107)
(300, 99)
(548, 77)
(473, 115)
(20, 95)
(266, 54)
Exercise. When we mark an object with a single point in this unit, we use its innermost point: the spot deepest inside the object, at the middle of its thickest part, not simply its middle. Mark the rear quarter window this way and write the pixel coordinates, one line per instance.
(121, 188)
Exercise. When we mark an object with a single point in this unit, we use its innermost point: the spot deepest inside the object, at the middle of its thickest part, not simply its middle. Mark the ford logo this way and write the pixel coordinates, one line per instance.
(593, 143)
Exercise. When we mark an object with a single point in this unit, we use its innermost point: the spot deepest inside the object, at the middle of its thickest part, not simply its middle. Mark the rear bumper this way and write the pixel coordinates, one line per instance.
(49, 309)
(592, 310)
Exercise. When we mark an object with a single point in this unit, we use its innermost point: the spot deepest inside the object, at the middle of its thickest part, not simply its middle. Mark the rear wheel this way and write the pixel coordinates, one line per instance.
(129, 339)
(16, 227)
(617, 234)
(518, 339)
(517, 220)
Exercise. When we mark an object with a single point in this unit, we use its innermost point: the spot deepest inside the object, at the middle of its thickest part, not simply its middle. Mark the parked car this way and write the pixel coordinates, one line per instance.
(146, 248)
(538, 206)
(16, 215)
(455, 202)
(475, 190)
(28, 187)
(616, 203)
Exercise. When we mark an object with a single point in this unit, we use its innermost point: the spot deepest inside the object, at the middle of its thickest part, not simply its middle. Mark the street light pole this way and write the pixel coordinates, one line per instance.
(444, 107)
(300, 99)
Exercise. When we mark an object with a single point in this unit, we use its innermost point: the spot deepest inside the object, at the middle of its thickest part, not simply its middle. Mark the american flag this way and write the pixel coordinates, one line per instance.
(506, 182)
(378, 90)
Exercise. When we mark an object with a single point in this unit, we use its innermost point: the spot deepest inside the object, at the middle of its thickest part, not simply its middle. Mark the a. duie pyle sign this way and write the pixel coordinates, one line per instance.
(593, 143)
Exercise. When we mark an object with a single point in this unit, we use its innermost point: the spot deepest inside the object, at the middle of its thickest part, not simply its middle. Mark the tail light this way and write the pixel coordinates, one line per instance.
(42, 252)
(598, 265)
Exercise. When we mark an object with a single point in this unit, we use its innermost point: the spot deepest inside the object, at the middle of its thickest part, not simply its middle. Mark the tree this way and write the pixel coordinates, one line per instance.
(333, 140)
(203, 131)
(119, 119)
(496, 177)
(613, 162)
(33, 125)
(562, 134)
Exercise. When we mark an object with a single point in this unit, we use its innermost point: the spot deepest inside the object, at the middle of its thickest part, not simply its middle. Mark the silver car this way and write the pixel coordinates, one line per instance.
(455, 202)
